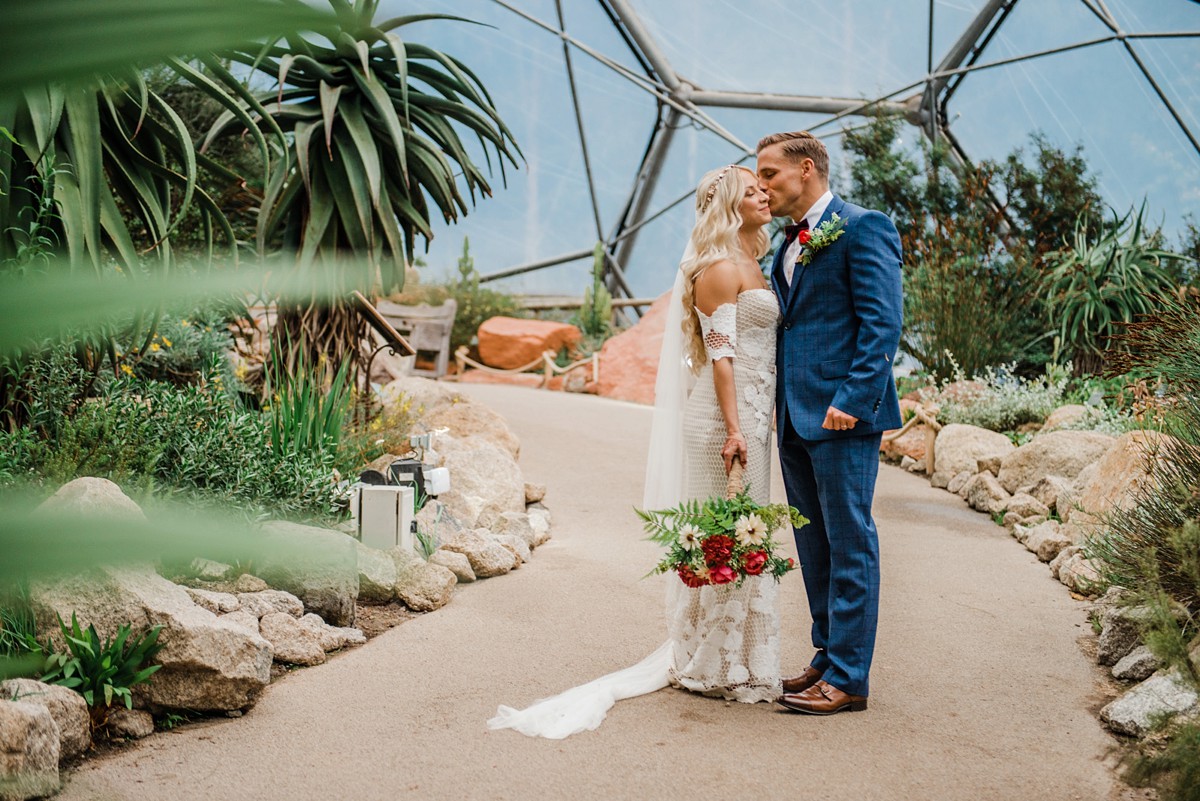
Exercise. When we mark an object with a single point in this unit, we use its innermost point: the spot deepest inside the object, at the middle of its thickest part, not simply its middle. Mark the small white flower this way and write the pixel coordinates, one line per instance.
(689, 537)
(750, 530)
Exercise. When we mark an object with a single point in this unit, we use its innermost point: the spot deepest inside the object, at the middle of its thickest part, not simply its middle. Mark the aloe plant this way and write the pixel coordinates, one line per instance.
(1097, 283)
(377, 127)
(375, 124)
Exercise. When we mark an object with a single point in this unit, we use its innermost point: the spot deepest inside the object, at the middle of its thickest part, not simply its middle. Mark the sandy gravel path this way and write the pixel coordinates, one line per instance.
(980, 690)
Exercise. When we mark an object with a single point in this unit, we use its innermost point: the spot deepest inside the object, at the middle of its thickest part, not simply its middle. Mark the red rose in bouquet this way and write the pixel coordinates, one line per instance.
(804, 236)
(754, 562)
(721, 541)
(722, 575)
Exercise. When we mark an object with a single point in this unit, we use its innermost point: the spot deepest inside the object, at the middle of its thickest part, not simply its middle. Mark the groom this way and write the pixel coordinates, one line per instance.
(838, 281)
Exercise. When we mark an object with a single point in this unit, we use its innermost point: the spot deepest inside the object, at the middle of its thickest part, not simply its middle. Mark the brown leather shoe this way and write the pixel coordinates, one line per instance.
(823, 699)
(800, 683)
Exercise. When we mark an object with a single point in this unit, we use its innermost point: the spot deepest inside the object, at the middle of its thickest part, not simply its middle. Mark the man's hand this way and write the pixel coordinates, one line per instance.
(838, 421)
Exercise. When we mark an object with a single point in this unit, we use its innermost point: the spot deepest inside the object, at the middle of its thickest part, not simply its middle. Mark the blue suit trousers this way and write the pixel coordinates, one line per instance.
(832, 482)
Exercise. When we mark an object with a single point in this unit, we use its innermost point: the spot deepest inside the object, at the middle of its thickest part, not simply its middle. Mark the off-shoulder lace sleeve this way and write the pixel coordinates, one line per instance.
(719, 331)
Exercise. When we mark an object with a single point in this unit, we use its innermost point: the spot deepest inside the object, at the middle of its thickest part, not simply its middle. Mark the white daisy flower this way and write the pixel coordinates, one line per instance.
(750, 530)
(689, 537)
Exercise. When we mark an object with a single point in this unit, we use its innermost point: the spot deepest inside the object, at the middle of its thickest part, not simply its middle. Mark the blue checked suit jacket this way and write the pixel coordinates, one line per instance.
(840, 328)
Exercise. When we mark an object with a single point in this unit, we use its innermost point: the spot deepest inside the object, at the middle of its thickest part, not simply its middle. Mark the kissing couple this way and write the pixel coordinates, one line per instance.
(809, 346)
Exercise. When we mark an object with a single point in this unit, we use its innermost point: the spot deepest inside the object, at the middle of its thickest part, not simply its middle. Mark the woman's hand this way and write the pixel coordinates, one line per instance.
(735, 448)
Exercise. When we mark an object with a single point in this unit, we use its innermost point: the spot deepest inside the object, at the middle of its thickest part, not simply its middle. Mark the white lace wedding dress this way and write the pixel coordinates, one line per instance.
(725, 639)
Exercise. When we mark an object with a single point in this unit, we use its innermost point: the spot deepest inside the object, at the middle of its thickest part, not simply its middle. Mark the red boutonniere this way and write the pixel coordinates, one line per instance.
(824, 235)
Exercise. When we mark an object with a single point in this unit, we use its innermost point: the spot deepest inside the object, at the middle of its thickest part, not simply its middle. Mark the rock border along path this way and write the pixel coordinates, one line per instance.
(980, 689)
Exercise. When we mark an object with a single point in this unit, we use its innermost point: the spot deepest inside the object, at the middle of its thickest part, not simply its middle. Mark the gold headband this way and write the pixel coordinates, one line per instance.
(712, 190)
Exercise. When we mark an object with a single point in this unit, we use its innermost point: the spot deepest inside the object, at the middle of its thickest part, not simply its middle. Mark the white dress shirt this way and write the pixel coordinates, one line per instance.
(812, 216)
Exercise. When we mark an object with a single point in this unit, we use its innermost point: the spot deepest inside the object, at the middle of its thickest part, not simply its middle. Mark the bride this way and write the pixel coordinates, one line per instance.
(721, 328)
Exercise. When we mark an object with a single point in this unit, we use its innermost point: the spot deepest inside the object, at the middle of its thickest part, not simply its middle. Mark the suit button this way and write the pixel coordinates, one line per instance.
(787, 326)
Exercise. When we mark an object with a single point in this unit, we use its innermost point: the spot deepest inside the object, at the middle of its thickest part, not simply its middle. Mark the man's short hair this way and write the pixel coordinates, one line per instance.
(799, 145)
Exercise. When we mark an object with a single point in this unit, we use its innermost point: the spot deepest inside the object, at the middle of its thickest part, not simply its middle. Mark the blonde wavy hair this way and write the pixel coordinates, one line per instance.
(714, 237)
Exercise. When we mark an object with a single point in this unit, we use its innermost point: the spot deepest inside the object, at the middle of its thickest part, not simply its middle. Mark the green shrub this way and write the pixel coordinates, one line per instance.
(1003, 400)
(196, 442)
(595, 316)
(183, 350)
(1152, 547)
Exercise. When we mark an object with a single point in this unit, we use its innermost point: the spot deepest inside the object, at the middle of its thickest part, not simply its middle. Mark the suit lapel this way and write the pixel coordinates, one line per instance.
(777, 282)
(835, 207)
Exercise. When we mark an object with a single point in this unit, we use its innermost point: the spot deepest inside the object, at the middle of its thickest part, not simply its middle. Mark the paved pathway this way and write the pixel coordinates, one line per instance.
(980, 690)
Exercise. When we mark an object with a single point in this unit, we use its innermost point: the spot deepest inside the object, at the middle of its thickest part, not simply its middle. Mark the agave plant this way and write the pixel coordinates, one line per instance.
(372, 120)
(84, 128)
(376, 129)
(1097, 283)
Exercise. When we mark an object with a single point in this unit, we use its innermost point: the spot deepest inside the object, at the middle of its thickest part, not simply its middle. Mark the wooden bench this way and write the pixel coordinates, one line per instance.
(427, 329)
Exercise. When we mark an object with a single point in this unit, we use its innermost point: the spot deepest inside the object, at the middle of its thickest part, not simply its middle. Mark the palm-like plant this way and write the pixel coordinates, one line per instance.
(1097, 283)
(374, 125)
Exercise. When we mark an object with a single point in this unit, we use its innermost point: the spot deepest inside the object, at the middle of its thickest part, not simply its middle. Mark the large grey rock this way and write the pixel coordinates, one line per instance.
(420, 395)
(1080, 574)
(133, 724)
(1027, 506)
(1119, 476)
(488, 558)
(955, 484)
(29, 752)
(1120, 632)
(959, 447)
(1059, 453)
(218, 603)
(474, 422)
(208, 570)
(1049, 489)
(317, 565)
(1064, 416)
(93, 497)
(1067, 503)
(244, 619)
(293, 643)
(376, 575)
(264, 603)
(984, 493)
(420, 585)
(456, 563)
(1137, 665)
(515, 544)
(539, 521)
(249, 583)
(1160, 697)
(485, 482)
(330, 637)
(1046, 540)
(208, 663)
(1058, 561)
(519, 525)
(66, 707)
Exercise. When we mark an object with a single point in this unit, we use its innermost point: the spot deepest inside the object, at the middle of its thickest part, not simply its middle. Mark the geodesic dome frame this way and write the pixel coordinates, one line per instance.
(682, 100)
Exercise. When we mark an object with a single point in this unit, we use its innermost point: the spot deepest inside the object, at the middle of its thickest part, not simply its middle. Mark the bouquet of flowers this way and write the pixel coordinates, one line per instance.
(721, 540)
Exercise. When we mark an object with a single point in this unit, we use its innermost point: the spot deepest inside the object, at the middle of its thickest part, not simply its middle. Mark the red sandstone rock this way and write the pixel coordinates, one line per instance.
(629, 361)
(509, 342)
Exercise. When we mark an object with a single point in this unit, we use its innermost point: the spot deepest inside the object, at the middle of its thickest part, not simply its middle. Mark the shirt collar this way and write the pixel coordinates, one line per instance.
(813, 215)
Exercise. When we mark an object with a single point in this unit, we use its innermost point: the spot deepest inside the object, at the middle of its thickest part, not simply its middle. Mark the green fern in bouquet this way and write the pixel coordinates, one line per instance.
(721, 540)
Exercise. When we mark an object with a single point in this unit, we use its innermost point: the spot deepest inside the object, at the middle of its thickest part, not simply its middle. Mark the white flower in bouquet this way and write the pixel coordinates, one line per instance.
(689, 537)
(750, 530)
